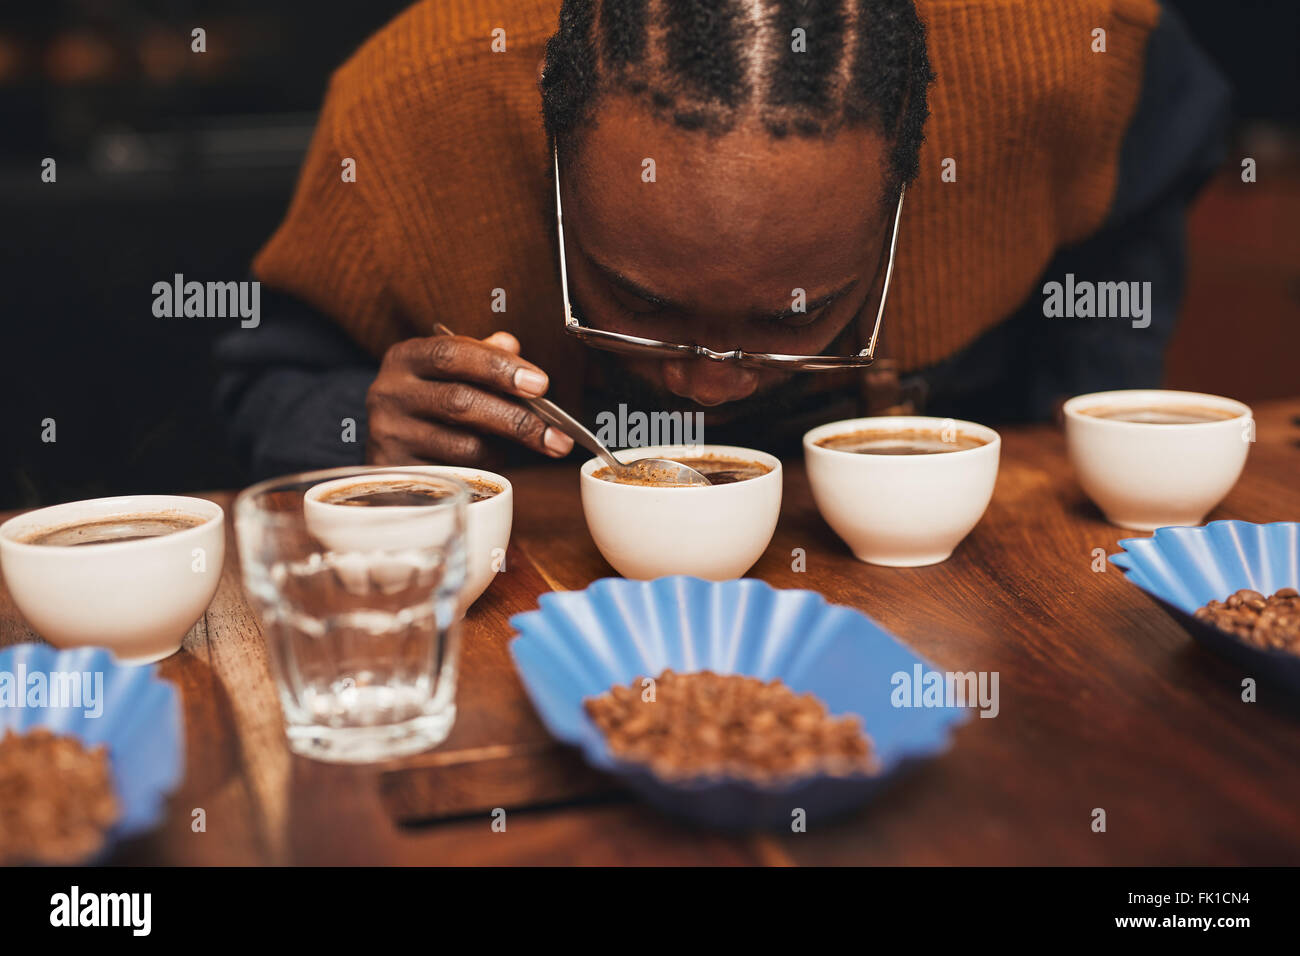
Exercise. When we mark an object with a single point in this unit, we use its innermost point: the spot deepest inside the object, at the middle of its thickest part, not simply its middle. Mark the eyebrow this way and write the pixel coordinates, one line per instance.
(632, 287)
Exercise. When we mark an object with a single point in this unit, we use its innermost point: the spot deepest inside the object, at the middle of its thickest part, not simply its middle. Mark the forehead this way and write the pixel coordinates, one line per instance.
(740, 206)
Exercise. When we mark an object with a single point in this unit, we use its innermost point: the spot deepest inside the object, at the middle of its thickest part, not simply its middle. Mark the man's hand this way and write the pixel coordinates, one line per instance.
(441, 399)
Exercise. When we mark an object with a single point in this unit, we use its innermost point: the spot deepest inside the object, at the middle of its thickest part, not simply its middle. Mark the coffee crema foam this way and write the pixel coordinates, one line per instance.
(718, 469)
(1160, 414)
(900, 441)
(404, 494)
(110, 530)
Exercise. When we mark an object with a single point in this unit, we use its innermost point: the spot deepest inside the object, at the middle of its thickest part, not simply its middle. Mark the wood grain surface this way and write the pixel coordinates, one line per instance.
(1105, 703)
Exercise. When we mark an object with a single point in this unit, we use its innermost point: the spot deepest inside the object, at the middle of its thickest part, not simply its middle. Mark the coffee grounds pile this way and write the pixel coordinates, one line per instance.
(56, 799)
(1269, 623)
(704, 723)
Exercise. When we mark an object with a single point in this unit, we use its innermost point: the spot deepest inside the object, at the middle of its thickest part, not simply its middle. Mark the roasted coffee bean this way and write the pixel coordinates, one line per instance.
(728, 725)
(1271, 623)
(56, 798)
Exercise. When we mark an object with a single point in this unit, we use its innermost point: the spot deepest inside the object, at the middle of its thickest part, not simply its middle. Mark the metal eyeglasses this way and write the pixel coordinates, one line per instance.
(635, 345)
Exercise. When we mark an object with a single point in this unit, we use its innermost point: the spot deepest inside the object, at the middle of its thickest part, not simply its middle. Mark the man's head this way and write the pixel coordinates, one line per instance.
(780, 132)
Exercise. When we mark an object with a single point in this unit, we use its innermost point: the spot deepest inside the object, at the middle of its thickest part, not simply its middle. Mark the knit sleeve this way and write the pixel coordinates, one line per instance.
(323, 252)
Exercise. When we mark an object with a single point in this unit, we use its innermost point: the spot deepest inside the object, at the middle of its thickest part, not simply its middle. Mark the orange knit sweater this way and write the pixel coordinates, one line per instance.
(451, 199)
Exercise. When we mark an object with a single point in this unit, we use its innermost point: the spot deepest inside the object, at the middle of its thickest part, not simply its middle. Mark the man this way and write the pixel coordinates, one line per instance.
(730, 174)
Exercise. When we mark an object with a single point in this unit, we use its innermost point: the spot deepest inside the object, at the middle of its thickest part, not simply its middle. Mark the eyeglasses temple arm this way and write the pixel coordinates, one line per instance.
(889, 273)
(559, 230)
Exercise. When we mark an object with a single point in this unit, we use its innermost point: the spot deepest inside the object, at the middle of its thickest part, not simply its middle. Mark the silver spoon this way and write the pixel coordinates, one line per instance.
(660, 471)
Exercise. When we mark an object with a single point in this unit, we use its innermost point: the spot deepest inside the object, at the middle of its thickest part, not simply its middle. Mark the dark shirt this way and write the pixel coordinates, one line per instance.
(289, 388)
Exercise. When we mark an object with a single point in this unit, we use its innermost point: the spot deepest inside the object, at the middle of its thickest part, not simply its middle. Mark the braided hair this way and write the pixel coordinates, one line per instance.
(705, 64)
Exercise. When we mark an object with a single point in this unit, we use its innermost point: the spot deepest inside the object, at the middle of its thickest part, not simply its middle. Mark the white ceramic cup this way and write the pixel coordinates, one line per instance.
(137, 598)
(902, 510)
(1146, 476)
(487, 522)
(717, 533)
(487, 528)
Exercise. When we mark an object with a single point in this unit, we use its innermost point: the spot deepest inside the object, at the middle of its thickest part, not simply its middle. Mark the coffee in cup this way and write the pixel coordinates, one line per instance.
(112, 530)
(718, 469)
(1156, 458)
(374, 510)
(649, 529)
(131, 573)
(403, 494)
(1175, 414)
(908, 441)
(487, 523)
(480, 489)
(902, 491)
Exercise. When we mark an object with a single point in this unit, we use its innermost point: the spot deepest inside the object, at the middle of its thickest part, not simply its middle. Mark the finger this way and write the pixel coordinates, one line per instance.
(462, 404)
(413, 440)
(465, 359)
(503, 340)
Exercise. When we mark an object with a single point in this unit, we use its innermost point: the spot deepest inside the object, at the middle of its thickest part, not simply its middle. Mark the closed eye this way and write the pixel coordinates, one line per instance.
(635, 304)
(813, 312)
(797, 320)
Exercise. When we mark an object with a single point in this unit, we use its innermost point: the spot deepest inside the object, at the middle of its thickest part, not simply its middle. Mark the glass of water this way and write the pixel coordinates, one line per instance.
(356, 575)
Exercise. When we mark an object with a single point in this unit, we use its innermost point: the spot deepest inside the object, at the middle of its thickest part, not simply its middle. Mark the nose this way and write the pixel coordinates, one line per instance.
(709, 383)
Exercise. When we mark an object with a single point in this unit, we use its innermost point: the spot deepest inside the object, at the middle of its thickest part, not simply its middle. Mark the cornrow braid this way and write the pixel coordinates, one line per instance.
(805, 78)
(704, 64)
(623, 32)
(705, 45)
(569, 88)
(882, 72)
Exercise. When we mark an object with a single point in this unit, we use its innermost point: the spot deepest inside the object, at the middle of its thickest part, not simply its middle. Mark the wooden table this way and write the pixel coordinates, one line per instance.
(1105, 702)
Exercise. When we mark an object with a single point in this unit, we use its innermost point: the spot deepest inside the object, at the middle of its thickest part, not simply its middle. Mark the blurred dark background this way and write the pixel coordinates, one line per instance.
(172, 162)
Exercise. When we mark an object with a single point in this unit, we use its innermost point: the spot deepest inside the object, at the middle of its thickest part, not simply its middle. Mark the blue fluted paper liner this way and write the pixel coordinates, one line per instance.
(579, 644)
(140, 723)
(1186, 568)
